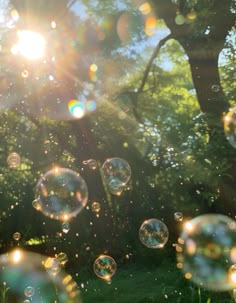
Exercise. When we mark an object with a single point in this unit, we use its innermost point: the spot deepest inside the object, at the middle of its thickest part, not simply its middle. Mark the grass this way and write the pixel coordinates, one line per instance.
(141, 285)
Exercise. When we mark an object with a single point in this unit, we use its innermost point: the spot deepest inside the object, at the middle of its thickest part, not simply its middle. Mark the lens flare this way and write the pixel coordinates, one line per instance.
(30, 45)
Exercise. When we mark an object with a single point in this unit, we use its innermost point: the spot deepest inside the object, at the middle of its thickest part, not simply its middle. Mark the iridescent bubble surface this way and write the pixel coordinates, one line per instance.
(53, 266)
(206, 251)
(230, 126)
(29, 291)
(96, 207)
(65, 227)
(178, 216)
(61, 193)
(62, 258)
(104, 267)
(153, 233)
(24, 275)
(116, 171)
(17, 236)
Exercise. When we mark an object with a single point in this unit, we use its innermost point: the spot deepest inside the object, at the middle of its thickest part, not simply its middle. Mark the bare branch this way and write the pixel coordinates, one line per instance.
(154, 55)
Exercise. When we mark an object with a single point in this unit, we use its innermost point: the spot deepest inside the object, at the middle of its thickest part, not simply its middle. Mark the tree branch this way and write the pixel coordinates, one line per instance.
(154, 55)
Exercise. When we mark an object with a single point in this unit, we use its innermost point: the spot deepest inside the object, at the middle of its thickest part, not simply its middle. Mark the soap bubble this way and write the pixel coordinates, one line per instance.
(53, 266)
(96, 207)
(62, 257)
(16, 236)
(180, 19)
(62, 194)
(37, 204)
(13, 160)
(178, 216)
(116, 171)
(26, 279)
(215, 88)
(230, 126)
(65, 227)
(207, 249)
(29, 291)
(153, 233)
(104, 267)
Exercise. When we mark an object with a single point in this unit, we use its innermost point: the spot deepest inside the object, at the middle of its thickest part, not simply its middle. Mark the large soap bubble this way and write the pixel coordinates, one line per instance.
(230, 126)
(116, 172)
(61, 194)
(26, 280)
(104, 267)
(206, 251)
(153, 233)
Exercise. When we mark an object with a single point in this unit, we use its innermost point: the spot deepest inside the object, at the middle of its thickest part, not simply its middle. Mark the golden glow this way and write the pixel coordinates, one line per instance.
(16, 256)
(53, 24)
(188, 276)
(93, 67)
(150, 26)
(30, 45)
(188, 227)
(145, 8)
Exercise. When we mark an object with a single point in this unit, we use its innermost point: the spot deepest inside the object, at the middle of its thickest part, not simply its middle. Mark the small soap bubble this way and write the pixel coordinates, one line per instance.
(215, 88)
(116, 171)
(91, 163)
(179, 19)
(153, 233)
(37, 204)
(230, 126)
(178, 216)
(104, 267)
(53, 266)
(191, 16)
(65, 227)
(16, 236)
(96, 207)
(13, 160)
(25, 74)
(62, 257)
(29, 291)
(62, 194)
(206, 251)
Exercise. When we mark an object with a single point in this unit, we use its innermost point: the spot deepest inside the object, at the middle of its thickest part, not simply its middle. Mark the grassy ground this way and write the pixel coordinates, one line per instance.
(139, 285)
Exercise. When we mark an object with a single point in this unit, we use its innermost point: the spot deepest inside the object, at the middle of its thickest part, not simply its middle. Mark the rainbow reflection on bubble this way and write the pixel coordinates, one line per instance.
(76, 108)
(206, 251)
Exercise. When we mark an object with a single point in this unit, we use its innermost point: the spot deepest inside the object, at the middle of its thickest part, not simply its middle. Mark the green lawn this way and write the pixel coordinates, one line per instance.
(139, 285)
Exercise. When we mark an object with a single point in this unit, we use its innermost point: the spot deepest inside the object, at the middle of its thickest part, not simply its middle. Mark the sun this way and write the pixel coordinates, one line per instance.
(30, 45)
